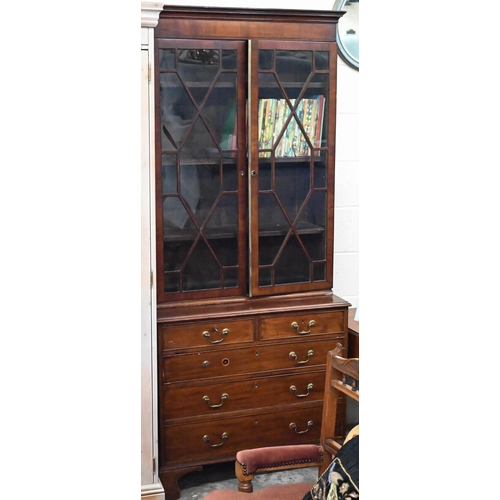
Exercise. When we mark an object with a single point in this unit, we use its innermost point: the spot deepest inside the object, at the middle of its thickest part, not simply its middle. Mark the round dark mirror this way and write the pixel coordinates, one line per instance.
(348, 31)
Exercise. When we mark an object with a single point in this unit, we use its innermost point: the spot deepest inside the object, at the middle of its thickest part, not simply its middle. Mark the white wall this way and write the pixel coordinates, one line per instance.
(346, 245)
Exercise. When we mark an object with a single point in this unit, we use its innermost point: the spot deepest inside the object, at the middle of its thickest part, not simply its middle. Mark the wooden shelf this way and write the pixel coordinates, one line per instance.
(214, 162)
(292, 159)
(301, 228)
(226, 232)
(199, 85)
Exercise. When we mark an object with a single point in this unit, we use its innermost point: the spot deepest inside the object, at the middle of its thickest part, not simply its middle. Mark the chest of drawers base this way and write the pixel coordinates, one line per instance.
(242, 374)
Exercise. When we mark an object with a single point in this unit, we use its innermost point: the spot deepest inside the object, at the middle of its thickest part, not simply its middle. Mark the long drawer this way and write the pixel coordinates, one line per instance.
(215, 398)
(217, 440)
(246, 360)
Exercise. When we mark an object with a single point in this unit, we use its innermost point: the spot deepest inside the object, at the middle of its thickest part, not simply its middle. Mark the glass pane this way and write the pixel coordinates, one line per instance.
(292, 119)
(269, 247)
(321, 60)
(169, 174)
(166, 59)
(312, 226)
(230, 177)
(177, 112)
(315, 210)
(320, 171)
(267, 112)
(292, 187)
(202, 271)
(208, 178)
(221, 230)
(198, 113)
(190, 186)
(312, 112)
(293, 143)
(175, 254)
(273, 228)
(281, 123)
(225, 216)
(293, 67)
(265, 277)
(229, 59)
(271, 215)
(220, 114)
(225, 249)
(319, 272)
(319, 86)
(175, 218)
(231, 278)
(265, 176)
(199, 145)
(172, 282)
(266, 59)
(293, 264)
(198, 69)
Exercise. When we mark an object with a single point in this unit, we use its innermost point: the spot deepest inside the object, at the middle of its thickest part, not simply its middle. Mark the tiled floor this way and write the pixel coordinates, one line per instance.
(195, 485)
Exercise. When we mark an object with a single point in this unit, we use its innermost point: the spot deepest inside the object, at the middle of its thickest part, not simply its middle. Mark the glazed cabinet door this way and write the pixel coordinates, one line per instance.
(291, 137)
(201, 169)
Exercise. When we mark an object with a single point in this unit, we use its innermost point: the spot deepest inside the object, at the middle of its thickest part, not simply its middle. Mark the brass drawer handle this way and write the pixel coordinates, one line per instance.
(222, 399)
(294, 390)
(293, 426)
(296, 326)
(224, 436)
(206, 335)
(293, 356)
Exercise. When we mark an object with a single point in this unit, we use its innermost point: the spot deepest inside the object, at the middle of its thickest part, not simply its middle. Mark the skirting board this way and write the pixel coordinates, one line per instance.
(152, 492)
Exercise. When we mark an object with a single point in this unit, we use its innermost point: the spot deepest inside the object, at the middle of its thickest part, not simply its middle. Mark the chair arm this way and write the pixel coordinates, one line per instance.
(278, 456)
(274, 458)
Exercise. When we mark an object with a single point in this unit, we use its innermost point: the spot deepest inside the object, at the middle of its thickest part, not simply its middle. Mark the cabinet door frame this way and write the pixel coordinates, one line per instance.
(253, 166)
(241, 289)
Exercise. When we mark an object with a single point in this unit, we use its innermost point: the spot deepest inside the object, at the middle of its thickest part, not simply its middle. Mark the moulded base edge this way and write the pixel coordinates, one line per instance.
(152, 491)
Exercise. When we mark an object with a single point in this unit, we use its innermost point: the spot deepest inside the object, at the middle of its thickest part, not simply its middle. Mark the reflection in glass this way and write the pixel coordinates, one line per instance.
(198, 114)
(265, 276)
(168, 174)
(265, 177)
(293, 264)
(319, 272)
(294, 65)
(202, 269)
(166, 59)
(322, 60)
(230, 278)
(292, 133)
(266, 59)
(320, 171)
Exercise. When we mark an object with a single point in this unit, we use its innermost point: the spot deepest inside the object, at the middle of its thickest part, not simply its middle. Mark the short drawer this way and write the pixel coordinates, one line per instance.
(302, 324)
(217, 440)
(210, 399)
(214, 333)
(246, 360)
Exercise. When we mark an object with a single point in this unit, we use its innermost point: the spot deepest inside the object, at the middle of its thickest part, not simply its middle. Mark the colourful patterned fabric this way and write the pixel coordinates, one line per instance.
(341, 480)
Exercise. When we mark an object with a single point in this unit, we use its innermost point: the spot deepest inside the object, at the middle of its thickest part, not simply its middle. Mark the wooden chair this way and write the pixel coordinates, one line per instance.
(342, 377)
